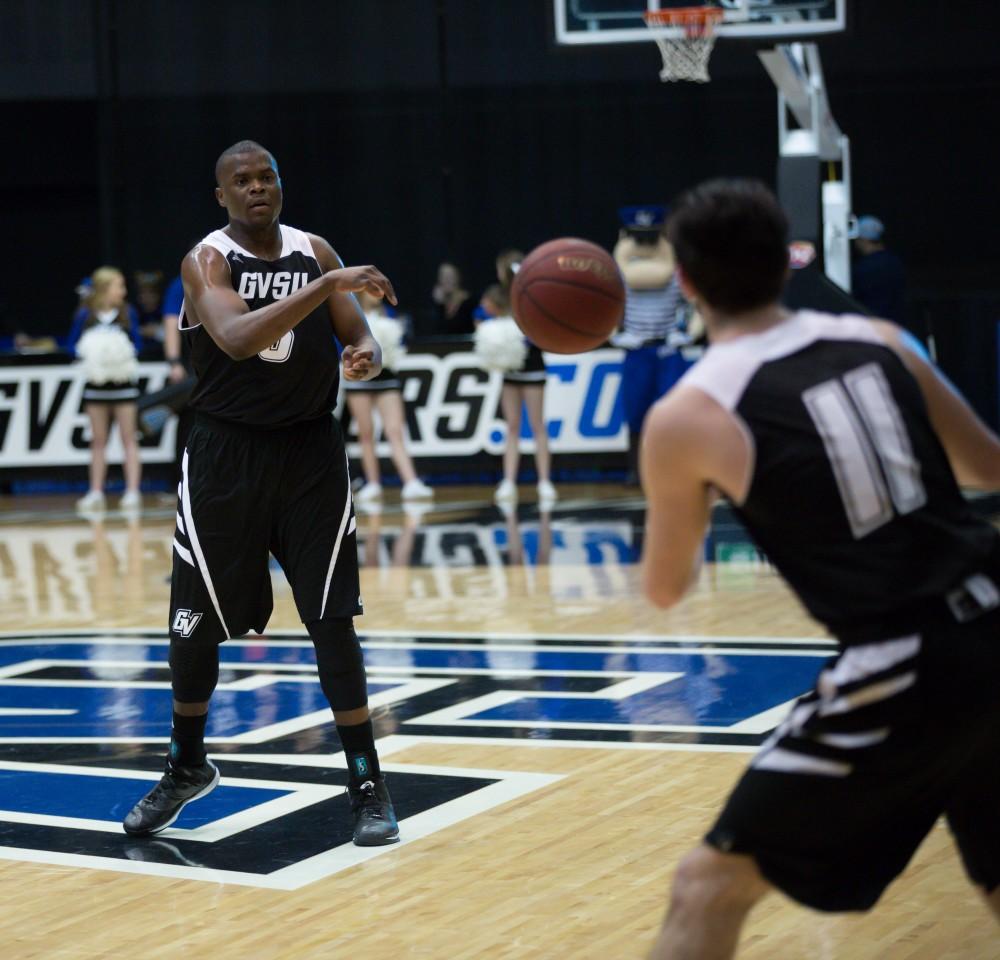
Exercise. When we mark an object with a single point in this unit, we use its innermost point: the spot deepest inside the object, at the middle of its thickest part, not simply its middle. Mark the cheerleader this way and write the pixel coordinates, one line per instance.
(105, 338)
(523, 386)
(383, 393)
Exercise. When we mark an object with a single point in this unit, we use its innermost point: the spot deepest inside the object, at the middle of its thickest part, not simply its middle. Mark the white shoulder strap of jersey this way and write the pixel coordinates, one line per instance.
(295, 241)
(224, 243)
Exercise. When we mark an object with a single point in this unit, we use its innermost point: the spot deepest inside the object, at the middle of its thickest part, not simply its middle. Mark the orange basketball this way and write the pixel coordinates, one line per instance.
(568, 296)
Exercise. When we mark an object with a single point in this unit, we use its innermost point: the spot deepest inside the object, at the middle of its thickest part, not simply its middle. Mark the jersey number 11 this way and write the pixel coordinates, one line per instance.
(868, 446)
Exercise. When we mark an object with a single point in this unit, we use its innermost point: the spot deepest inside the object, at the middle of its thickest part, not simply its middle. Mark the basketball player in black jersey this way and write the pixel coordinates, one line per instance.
(265, 470)
(839, 445)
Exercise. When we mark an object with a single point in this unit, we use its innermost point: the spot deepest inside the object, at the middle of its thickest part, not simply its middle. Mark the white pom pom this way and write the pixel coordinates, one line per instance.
(500, 345)
(107, 355)
(388, 334)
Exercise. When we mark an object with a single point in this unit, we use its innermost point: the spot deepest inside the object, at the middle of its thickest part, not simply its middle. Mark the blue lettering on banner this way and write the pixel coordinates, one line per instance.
(589, 427)
(561, 373)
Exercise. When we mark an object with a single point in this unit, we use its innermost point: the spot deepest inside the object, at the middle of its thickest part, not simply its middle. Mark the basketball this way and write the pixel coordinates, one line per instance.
(568, 296)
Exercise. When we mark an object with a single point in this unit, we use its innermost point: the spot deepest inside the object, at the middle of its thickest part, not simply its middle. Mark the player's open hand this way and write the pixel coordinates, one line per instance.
(359, 364)
(370, 279)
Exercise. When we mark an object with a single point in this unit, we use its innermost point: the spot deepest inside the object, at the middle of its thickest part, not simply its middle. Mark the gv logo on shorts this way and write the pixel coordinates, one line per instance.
(184, 622)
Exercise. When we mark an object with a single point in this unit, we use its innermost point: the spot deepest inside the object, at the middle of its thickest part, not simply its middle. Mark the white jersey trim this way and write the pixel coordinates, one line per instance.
(293, 240)
(727, 368)
(337, 542)
(199, 554)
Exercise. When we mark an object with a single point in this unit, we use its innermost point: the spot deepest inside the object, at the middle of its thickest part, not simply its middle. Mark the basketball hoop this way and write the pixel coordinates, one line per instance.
(686, 53)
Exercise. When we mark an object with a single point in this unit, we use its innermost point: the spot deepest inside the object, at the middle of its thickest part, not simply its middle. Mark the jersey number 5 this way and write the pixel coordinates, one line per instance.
(280, 351)
(868, 446)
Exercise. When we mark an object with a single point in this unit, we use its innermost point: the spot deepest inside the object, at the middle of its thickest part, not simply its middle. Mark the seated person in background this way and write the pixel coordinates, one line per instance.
(148, 286)
(453, 304)
(384, 394)
(877, 279)
(12, 338)
(653, 307)
(493, 303)
(173, 345)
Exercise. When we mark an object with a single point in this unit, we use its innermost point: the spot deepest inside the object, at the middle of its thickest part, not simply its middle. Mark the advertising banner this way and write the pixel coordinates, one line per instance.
(452, 410)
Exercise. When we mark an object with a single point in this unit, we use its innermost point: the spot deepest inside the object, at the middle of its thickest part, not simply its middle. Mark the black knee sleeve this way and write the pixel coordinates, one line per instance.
(340, 663)
(194, 669)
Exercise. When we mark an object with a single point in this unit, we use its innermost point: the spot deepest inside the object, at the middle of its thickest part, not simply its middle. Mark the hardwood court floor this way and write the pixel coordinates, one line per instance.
(576, 866)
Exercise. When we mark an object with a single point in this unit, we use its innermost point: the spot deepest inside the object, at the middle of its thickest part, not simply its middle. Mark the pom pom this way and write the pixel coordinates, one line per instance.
(107, 355)
(500, 345)
(388, 334)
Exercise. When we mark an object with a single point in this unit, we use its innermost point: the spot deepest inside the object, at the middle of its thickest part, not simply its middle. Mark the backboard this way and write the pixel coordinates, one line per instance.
(586, 22)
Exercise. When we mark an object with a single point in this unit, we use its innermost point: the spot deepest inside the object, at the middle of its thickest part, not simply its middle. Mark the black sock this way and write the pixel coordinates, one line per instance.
(358, 741)
(187, 740)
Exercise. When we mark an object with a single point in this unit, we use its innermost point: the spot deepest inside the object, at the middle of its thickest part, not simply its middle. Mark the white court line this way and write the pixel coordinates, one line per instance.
(384, 697)
(749, 651)
(295, 671)
(34, 712)
(398, 742)
(128, 635)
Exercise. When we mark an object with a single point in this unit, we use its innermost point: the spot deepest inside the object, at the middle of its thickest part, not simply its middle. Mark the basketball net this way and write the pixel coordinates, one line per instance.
(685, 56)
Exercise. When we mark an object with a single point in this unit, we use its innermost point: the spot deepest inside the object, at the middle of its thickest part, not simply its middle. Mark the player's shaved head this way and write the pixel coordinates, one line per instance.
(242, 148)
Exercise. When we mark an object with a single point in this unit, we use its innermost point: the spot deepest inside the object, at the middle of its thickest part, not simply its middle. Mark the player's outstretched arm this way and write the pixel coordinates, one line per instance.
(973, 448)
(239, 331)
(362, 356)
(691, 447)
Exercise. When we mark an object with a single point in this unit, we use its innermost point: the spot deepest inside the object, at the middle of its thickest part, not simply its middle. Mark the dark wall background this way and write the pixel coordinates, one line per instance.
(413, 130)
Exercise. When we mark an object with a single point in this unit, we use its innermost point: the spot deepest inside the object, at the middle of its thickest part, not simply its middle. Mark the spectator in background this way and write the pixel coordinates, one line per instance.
(452, 302)
(877, 279)
(651, 331)
(384, 394)
(148, 287)
(522, 389)
(105, 336)
(173, 350)
(179, 367)
(12, 338)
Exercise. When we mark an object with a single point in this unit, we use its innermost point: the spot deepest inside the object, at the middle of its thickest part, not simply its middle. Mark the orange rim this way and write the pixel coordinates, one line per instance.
(695, 18)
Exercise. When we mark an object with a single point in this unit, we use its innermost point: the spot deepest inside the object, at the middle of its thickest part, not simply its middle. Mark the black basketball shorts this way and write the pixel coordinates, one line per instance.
(245, 493)
(894, 735)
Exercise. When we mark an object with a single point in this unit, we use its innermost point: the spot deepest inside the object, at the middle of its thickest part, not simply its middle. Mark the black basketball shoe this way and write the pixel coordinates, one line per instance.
(178, 786)
(374, 819)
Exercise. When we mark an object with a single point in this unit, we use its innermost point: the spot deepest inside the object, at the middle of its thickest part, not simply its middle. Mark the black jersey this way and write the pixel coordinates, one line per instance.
(852, 496)
(291, 381)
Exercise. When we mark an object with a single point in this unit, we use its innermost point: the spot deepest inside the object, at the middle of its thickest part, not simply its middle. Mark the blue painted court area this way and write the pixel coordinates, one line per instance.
(99, 796)
(118, 651)
(115, 711)
(551, 684)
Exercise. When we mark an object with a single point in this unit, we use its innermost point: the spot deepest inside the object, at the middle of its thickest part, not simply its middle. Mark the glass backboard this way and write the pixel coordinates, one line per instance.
(585, 22)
